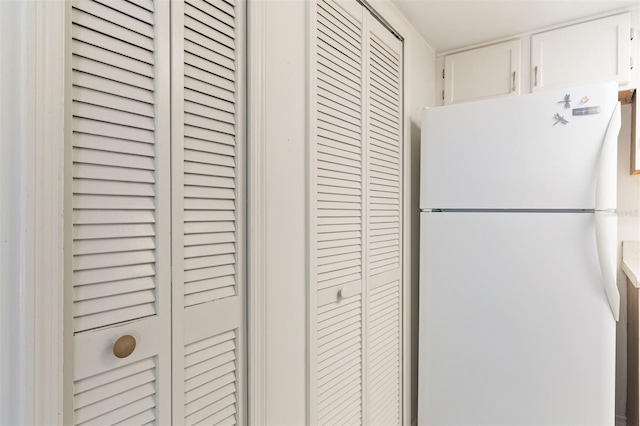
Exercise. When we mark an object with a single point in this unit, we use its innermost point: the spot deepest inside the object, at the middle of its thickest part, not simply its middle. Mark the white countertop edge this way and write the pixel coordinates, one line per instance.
(631, 261)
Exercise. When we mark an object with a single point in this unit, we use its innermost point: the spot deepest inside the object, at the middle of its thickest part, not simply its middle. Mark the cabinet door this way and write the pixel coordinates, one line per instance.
(119, 248)
(635, 139)
(207, 150)
(592, 52)
(482, 73)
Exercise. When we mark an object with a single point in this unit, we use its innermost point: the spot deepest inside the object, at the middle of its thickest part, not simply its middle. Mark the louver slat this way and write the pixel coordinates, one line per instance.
(384, 354)
(141, 13)
(118, 30)
(339, 357)
(122, 395)
(210, 381)
(113, 165)
(338, 159)
(144, 4)
(210, 157)
(115, 16)
(384, 204)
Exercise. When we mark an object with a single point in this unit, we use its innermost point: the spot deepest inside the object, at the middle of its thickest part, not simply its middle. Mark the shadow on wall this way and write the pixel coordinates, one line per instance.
(415, 257)
(628, 230)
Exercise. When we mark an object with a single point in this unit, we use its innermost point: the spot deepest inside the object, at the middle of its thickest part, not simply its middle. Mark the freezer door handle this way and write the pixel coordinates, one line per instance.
(606, 190)
(606, 231)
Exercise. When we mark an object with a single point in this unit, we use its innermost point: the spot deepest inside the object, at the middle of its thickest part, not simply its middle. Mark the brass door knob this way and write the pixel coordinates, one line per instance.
(124, 346)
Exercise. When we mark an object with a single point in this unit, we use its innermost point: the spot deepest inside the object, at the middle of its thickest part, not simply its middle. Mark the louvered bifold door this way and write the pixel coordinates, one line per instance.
(118, 256)
(208, 212)
(337, 216)
(383, 341)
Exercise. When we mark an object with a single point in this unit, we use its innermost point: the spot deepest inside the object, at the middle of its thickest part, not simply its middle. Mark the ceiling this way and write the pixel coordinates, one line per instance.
(452, 24)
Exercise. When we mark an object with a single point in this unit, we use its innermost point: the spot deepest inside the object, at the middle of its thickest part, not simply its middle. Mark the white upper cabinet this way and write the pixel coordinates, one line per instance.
(591, 52)
(485, 72)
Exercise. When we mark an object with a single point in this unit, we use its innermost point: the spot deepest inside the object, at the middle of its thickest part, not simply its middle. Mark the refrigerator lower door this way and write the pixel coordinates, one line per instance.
(515, 326)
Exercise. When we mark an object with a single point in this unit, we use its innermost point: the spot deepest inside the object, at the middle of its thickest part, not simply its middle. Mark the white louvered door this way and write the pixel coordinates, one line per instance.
(337, 217)
(208, 203)
(119, 261)
(157, 211)
(355, 218)
(384, 226)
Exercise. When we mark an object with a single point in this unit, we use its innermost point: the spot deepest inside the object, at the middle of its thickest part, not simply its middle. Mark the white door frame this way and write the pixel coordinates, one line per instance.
(32, 86)
(256, 213)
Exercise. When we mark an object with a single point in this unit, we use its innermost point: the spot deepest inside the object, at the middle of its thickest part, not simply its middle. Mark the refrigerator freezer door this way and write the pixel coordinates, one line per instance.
(515, 326)
(515, 152)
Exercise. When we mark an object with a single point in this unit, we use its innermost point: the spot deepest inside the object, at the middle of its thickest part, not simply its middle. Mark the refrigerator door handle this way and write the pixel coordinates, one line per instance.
(606, 189)
(606, 231)
(605, 217)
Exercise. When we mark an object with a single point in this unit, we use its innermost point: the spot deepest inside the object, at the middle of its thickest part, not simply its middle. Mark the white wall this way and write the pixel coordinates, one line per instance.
(421, 65)
(285, 227)
(628, 229)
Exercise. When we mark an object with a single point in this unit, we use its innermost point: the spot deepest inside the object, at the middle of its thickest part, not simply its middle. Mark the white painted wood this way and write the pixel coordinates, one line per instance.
(591, 52)
(208, 208)
(316, 299)
(256, 217)
(31, 115)
(367, 25)
(118, 256)
(384, 223)
(48, 209)
(356, 218)
(17, 28)
(71, 79)
(283, 156)
(482, 73)
(336, 224)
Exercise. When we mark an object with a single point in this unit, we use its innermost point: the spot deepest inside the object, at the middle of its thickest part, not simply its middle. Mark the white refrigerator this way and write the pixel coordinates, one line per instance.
(518, 295)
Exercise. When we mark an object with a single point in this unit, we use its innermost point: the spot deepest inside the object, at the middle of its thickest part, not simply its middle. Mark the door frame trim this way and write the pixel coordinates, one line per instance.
(256, 219)
(33, 342)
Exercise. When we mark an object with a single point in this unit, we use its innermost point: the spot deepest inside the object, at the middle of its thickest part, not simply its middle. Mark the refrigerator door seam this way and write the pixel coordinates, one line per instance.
(511, 210)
